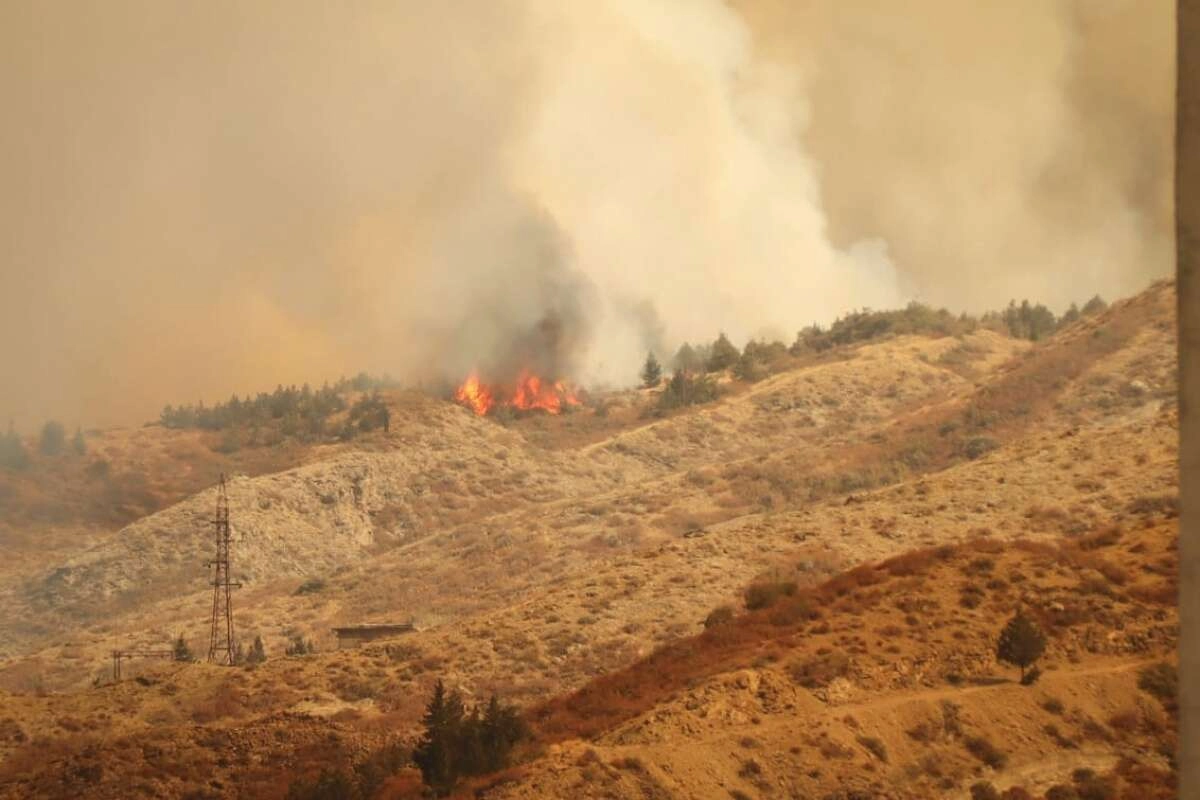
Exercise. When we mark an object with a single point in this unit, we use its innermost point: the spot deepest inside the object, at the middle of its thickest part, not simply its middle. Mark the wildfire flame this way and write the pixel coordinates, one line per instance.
(527, 393)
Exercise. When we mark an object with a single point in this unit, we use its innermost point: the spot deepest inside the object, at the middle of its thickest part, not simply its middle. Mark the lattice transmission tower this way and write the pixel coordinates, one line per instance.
(221, 641)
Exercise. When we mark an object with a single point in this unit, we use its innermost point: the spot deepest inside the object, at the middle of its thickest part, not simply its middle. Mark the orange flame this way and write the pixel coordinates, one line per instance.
(475, 396)
(528, 393)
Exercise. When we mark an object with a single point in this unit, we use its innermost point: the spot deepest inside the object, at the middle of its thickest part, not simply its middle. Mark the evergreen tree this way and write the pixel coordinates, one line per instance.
(13, 454)
(434, 753)
(258, 653)
(502, 727)
(723, 356)
(182, 651)
(651, 371)
(78, 444)
(1021, 642)
(1094, 306)
(1070, 315)
(457, 743)
(686, 359)
(53, 438)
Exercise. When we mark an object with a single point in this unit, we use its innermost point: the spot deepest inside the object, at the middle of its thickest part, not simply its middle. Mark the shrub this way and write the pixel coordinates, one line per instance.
(1016, 793)
(1021, 642)
(311, 586)
(1093, 787)
(331, 784)
(875, 746)
(1053, 705)
(1125, 721)
(983, 790)
(985, 751)
(1155, 504)
(1105, 537)
(979, 446)
(1161, 681)
(820, 670)
(1061, 792)
(299, 646)
(718, 616)
(762, 594)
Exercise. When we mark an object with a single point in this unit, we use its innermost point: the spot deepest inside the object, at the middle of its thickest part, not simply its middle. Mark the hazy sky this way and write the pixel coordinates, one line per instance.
(201, 198)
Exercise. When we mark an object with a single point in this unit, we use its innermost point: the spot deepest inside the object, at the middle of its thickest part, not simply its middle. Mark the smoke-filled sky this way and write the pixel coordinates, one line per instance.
(202, 198)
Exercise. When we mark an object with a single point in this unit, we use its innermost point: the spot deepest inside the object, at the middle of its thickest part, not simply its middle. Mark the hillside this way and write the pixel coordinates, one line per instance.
(538, 555)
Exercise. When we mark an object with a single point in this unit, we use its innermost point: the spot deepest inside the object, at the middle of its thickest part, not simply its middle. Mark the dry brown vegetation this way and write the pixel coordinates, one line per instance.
(800, 585)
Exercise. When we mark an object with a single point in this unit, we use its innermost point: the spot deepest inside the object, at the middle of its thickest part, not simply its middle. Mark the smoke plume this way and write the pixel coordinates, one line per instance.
(209, 198)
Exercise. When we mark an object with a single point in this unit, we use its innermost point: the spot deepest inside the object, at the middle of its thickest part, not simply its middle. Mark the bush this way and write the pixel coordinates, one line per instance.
(311, 586)
(979, 446)
(984, 790)
(820, 670)
(985, 751)
(299, 646)
(1162, 682)
(720, 615)
(762, 594)
(875, 746)
(1053, 705)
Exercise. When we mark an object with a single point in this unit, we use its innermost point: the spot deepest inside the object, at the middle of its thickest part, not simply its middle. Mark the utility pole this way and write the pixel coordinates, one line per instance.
(221, 641)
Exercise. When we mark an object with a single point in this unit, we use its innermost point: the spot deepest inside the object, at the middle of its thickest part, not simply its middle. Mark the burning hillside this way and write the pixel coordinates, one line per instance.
(528, 392)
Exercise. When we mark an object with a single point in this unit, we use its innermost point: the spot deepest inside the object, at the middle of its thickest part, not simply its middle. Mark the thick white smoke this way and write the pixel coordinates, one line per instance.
(207, 198)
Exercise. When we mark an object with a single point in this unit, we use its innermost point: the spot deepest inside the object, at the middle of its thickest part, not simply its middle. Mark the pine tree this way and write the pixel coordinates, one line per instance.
(1021, 642)
(686, 359)
(724, 355)
(78, 444)
(502, 728)
(182, 651)
(258, 653)
(1070, 315)
(1094, 306)
(435, 752)
(651, 371)
(53, 439)
(13, 454)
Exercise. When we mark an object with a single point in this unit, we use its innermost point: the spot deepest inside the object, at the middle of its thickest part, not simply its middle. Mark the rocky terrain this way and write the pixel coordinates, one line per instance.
(544, 557)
